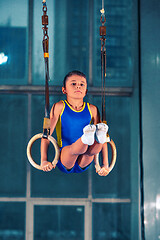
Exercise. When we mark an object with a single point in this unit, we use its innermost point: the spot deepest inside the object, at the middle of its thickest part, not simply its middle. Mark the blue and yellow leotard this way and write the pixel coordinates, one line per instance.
(70, 126)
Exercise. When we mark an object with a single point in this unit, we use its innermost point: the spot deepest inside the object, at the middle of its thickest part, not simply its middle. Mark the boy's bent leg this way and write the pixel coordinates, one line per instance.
(86, 158)
(69, 154)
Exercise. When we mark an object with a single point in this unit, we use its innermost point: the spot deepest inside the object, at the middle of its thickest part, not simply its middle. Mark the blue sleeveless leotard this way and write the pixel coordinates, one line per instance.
(69, 129)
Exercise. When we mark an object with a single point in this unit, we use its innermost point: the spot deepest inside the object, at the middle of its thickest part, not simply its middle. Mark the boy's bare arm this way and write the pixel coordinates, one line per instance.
(54, 115)
(105, 155)
(95, 114)
(104, 171)
(96, 119)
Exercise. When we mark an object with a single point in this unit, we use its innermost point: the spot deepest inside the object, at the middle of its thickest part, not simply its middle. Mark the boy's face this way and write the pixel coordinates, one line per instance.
(76, 87)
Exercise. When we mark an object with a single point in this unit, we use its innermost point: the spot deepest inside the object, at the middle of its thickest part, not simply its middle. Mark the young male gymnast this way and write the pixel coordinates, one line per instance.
(80, 133)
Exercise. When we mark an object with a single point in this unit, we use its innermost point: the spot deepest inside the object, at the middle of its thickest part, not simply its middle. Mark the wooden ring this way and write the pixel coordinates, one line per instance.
(113, 160)
(29, 148)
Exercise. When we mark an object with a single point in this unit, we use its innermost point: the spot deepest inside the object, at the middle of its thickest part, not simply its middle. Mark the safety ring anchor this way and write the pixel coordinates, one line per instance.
(29, 148)
(113, 160)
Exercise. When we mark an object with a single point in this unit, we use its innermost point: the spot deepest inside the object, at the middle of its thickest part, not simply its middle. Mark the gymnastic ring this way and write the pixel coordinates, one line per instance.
(29, 148)
(113, 160)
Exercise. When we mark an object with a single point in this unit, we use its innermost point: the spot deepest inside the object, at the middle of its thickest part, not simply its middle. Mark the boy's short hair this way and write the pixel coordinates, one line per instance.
(74, 72)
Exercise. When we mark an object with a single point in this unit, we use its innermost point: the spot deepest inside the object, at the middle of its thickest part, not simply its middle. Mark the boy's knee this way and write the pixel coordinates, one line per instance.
(77, 152)
(95, 149)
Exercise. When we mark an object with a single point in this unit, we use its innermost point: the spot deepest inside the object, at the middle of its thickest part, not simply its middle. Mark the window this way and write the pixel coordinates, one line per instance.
(55, 205)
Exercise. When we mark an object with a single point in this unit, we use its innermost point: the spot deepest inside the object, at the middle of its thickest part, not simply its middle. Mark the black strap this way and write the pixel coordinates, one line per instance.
(45, 43)
(103, 64)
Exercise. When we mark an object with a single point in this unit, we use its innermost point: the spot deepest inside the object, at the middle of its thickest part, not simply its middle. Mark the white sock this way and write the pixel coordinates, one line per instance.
(88, 136)
(101, 131)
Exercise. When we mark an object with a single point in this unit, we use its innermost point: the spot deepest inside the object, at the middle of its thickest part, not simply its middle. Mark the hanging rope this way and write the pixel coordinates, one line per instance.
(46, 122)
(102, 31)
(45, 43)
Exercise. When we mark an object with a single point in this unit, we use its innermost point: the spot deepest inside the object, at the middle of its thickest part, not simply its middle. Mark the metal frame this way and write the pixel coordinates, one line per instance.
(57, 90)
(86, 202)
